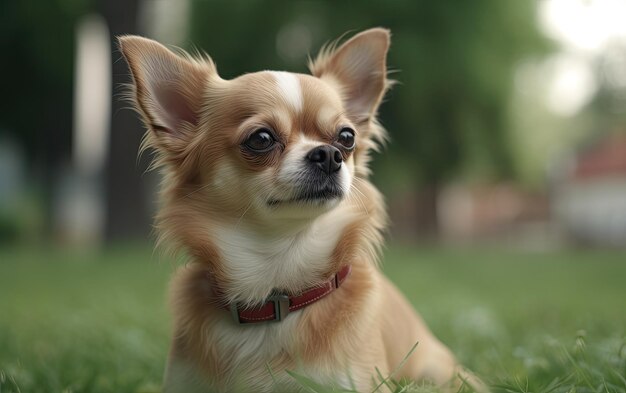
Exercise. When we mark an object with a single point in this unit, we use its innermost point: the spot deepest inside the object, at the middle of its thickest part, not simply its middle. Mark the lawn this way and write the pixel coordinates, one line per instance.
(536, 322)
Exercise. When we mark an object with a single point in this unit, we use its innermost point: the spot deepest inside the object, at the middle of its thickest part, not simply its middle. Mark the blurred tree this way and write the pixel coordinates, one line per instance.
(448, 116)
(37, 39)
(128, 213)
(37, 45)
(608, 107)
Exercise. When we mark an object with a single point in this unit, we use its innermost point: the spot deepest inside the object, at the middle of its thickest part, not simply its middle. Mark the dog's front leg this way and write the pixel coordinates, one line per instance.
(181, 375)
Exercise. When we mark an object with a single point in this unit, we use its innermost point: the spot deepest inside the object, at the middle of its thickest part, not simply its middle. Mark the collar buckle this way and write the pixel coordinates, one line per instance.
(281, 308)
(277, 305)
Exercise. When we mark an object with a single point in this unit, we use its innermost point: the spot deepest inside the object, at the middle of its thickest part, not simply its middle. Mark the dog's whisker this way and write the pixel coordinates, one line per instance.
(243, 214)
(197, 190)
(358, 195)
(354, 194)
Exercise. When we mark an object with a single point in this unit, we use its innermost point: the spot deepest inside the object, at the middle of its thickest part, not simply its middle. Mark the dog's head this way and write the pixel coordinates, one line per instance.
(266, 144)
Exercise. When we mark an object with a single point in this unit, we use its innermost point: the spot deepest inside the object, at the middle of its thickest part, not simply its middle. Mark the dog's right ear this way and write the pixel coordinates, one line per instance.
(168, 87)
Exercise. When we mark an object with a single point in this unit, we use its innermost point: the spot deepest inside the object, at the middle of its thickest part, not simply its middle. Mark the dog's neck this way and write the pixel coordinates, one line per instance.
(259, 259)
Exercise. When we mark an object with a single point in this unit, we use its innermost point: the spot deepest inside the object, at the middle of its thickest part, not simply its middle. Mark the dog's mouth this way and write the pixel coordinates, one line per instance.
(315, 196)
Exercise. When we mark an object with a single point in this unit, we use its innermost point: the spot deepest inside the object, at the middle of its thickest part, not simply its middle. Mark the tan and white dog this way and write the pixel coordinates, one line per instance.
(266, 189)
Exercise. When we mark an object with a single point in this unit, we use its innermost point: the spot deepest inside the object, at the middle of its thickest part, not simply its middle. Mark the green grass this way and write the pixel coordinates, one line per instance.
(548, 322)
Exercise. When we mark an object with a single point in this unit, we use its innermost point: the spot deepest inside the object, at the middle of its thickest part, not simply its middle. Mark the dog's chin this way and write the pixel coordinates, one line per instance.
(311, 198)
(306, 203)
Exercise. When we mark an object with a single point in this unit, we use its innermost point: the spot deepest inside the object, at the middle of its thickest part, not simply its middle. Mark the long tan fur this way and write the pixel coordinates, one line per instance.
(214, 208)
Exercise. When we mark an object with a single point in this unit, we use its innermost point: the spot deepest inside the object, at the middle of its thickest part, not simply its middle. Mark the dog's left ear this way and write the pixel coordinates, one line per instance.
(358, 68)
(167, 86)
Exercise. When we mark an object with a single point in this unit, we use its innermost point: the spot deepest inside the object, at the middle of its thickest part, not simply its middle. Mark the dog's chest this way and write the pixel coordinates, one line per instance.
(263, 352)
(257, 263)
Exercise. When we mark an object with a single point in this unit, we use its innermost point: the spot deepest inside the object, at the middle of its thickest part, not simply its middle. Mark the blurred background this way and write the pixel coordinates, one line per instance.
(508, 123)
(505, 173)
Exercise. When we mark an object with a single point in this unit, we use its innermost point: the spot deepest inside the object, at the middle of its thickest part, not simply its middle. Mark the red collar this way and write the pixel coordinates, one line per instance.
(277, 306)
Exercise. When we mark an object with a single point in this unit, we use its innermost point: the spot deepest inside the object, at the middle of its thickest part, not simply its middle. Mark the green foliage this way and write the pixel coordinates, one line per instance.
(547, 323)
(606, 110)
(37, 42)
(9, 228)
(455, 61)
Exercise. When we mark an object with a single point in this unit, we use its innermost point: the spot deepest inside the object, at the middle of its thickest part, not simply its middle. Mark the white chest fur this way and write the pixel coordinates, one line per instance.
(259, 261)
(252, 349)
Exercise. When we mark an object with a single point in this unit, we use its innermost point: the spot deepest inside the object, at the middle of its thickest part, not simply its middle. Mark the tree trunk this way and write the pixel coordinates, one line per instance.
(128, 209)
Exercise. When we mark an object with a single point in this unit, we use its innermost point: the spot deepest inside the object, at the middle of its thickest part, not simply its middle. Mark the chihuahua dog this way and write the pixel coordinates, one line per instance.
(265, 188)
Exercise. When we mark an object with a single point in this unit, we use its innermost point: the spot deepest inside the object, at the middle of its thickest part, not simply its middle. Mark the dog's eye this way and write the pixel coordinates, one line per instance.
(346, 138)
(262, 140)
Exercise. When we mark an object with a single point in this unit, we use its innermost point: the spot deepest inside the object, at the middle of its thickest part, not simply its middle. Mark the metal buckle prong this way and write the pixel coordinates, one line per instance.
(281, 306)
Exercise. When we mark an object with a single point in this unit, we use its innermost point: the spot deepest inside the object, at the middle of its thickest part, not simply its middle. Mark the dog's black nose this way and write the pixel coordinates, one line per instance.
(328, 158)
